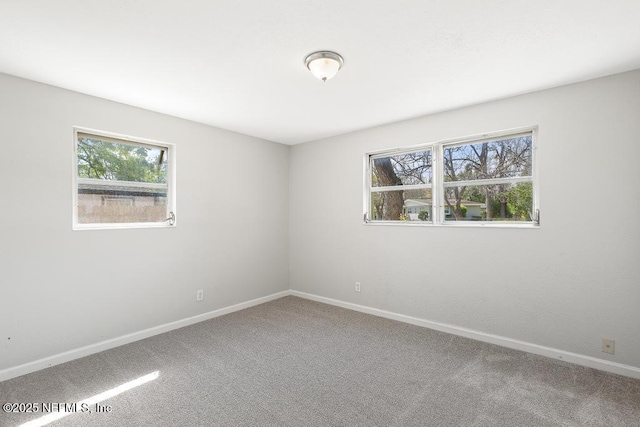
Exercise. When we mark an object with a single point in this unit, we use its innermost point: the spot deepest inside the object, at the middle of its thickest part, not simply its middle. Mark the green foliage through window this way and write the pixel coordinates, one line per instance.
(100, 159)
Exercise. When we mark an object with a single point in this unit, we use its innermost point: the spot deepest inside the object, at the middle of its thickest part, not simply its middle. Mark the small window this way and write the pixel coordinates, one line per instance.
(122, 181)
(489, 179)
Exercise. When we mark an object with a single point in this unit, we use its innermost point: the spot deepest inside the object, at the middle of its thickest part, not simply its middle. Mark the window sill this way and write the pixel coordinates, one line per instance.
(127, 226)
(458, 224)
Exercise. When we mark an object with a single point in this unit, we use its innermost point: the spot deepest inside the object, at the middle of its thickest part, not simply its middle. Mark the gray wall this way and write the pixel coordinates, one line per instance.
(565, 285)
(63, 289)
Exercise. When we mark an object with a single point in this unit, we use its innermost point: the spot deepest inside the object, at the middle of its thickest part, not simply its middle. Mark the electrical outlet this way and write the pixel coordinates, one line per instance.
(608, 346)
(200, 295)
(357, 286)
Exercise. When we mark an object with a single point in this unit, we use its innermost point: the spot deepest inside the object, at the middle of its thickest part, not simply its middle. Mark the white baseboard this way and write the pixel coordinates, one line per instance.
(578, 359)
(67, 356)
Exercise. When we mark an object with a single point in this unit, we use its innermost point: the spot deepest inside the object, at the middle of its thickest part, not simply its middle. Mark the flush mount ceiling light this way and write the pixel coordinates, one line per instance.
(324, 64)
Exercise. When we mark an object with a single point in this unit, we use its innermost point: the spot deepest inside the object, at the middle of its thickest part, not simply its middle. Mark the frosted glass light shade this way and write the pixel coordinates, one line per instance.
(324, 64)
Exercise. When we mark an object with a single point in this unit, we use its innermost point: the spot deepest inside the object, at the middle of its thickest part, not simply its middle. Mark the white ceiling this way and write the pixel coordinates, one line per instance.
(238, 64)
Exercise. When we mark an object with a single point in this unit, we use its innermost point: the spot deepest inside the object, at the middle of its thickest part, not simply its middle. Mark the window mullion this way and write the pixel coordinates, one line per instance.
(438, 179)
(401, 187)
(491, 181)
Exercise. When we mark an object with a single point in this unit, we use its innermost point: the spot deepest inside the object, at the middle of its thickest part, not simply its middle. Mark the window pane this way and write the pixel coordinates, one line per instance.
(126, 202)
(504, 158)
(404, 169)
(500, 202)
(407, 205)
(108, 160)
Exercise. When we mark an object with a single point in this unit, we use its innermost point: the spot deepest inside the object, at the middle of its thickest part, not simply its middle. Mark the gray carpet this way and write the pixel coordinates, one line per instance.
(294, 362)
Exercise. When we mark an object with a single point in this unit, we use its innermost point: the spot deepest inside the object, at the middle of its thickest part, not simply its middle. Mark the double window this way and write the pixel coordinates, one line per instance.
(122, 181)
(488, 180)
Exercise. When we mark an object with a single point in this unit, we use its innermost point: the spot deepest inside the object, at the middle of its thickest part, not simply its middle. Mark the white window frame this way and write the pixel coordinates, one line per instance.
(171, 181)
(438, 216)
